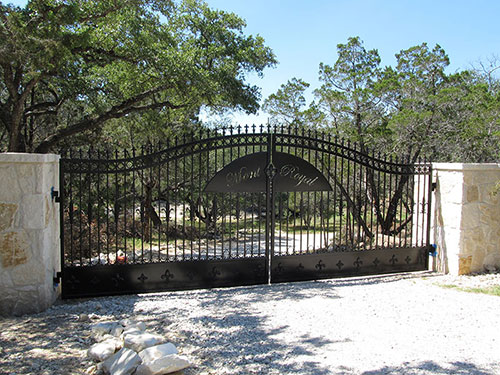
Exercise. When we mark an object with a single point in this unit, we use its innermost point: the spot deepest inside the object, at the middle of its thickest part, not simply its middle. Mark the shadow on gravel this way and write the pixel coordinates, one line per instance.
(242, 341)
(41, 344)
(431, 367)
(217, 324)
(229, 336)
(290, 291)
(378, 279)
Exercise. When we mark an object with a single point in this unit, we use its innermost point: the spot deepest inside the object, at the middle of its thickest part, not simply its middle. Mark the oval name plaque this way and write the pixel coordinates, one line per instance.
(247, 174)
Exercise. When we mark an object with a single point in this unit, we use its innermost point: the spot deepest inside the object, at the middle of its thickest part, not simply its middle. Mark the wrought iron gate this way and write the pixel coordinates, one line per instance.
(192, 214)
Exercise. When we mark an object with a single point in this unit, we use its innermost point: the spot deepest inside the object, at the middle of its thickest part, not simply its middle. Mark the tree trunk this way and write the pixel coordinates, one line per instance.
(15, 139)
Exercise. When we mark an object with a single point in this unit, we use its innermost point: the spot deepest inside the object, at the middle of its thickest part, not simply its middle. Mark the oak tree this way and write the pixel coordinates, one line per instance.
(71, 66)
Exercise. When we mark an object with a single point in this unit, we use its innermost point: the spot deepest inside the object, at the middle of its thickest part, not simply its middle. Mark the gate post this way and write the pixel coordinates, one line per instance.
(29, 232)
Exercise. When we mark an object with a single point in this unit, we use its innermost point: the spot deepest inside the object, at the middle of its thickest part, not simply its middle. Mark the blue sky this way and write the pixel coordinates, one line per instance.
(303, 33)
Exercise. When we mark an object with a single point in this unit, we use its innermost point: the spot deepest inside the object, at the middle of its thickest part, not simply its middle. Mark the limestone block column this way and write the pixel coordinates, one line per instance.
(466, 226)
(29, 232)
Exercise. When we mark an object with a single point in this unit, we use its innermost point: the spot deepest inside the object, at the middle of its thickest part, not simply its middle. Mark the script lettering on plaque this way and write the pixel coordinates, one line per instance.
(247, 174)
(242, 175)
(293, 172)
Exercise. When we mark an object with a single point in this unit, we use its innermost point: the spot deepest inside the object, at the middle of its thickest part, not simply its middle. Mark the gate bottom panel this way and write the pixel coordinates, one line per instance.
(103, 280)
(343, 264)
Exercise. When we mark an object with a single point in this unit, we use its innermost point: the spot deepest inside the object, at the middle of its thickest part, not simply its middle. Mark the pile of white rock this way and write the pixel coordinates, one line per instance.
(126, 348)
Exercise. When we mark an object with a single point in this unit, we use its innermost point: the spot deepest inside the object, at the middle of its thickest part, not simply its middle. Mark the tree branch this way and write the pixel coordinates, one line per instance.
(355, 211)
(36, 108)
(100, 55)
(98, 16)
(4, 116)
(8, 80)
(117, 111)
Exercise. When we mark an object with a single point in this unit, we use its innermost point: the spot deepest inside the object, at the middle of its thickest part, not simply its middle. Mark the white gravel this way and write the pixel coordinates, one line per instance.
(397, 324)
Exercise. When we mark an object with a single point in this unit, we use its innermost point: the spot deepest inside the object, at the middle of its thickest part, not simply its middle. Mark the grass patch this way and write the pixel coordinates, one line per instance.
(491, 290)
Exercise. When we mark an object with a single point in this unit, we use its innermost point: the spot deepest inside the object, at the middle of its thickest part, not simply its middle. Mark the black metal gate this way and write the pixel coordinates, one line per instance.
(238, 206)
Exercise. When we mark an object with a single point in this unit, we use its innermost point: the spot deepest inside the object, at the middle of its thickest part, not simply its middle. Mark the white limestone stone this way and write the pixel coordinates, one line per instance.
(30, 251)
(9, 186)
(123, 362)
(153, 353)
(33, 211)
(117, 330)
(83, 318)
(130, 325)
(127, 322)
(103, 350)
(164, 365)
(130, 331)
(100, 338)
(28, 176)
(141, 326)
(27, 274)
(141, 341)
(102, 328)
(466, 220)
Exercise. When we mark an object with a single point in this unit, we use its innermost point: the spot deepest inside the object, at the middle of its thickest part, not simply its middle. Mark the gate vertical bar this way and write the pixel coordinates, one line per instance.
(61, 220)
(270, 210)
(429, 213)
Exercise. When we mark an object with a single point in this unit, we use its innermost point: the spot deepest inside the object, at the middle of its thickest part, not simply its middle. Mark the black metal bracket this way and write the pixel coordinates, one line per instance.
(54, 194)
(434, 186)
(57, 277)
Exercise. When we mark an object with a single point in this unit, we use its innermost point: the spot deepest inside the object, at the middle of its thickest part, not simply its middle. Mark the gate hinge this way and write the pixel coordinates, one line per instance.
(434, 186)
(55, 195)
(57, 277)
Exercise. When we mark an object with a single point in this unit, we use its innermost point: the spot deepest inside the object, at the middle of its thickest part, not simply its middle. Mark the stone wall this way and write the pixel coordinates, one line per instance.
(29, 232)
(466, 220)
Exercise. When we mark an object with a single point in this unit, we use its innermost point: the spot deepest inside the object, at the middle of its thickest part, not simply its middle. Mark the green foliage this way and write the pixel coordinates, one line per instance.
(70, 67)
(348, 96)
(286, 106)
(492, 290)
(413, 108)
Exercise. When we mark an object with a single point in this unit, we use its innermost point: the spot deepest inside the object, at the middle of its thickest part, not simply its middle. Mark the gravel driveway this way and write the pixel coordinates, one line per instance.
(397, 324)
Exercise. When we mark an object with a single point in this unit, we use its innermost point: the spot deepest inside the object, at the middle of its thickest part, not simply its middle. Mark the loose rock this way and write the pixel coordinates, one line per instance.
(164, 365)
(140, 341)
(124, 362)
(103, 350)
(153, 353)
(102, 328)
(101, 338)
(83, 318)
(117, 330)
(127, 322)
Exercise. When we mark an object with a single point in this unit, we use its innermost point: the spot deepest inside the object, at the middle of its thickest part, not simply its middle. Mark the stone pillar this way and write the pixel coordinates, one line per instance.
(29, 232)
(466, 225)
